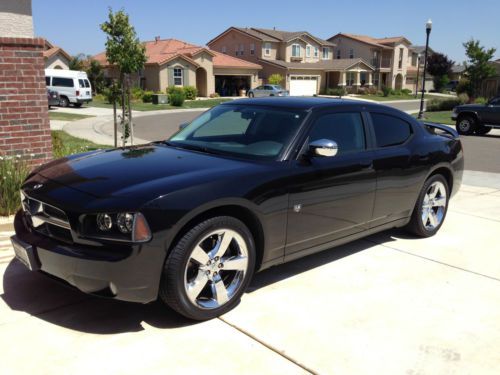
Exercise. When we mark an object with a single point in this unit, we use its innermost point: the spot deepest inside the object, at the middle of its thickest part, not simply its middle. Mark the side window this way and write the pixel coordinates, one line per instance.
(495, 101)
(344, 128)
(62, 82)
(81, 83)
(390, 130)
(47, 81)
(87, 83)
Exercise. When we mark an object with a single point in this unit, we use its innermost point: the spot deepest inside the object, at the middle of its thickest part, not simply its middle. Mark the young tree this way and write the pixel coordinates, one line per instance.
(275, 79)
(95, 74)
(477, 66)
(439, 67)
(126, 53)
(77, 62)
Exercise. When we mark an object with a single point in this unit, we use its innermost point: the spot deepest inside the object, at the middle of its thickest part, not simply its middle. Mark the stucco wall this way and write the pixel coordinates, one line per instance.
(205, 61)
(232, 40)
(361, 50)
(16, 19)
(57, 60)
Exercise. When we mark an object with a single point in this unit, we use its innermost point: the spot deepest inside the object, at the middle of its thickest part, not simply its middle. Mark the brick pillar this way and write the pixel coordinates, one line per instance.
(24, 119)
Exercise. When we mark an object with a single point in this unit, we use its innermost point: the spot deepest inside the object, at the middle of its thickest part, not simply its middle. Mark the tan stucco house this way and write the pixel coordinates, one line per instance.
(172, 62)
(55, 57)
(306, 62)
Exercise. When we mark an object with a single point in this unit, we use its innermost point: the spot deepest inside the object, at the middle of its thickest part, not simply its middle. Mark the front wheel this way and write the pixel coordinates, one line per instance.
(466, 125)
(209, 268)
(431, 207)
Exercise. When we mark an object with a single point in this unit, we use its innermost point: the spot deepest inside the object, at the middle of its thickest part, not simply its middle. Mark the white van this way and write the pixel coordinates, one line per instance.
(73, 86)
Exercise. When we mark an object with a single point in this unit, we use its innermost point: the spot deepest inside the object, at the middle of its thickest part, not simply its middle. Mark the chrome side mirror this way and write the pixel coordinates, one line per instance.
(323, 147)
(183, 125)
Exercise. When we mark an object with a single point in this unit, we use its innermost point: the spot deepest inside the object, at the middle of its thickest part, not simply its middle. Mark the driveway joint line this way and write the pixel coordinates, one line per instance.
(434, 260)
(478, 216)
(270, 347)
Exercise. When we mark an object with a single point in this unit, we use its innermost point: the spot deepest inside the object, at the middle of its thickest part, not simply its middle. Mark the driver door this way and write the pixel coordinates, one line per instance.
(331, 197)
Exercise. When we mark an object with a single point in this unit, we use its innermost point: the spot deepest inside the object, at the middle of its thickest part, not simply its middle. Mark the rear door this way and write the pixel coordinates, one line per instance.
(84, 89)
(492, 112)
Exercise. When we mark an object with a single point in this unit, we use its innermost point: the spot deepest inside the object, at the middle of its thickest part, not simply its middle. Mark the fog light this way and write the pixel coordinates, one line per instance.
(125, 222)
(104, 222)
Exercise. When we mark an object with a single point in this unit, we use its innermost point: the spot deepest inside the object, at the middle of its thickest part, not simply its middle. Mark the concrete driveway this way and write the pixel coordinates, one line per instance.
(388, 304)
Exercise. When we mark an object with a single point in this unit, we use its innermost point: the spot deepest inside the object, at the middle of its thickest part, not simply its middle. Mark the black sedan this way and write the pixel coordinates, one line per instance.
(245, 186)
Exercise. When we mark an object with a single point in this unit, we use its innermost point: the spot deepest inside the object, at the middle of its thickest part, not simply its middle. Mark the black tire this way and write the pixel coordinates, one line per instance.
(416, 225)
(466, 125)
(77, 105)
(250, 95)
(63, 102)
(482, 130)
(172, 287)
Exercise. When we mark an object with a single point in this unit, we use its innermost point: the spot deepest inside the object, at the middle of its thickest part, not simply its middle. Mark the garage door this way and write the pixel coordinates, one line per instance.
(303, 85)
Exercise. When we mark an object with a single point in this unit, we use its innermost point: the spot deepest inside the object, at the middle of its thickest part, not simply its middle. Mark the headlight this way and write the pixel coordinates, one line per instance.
(123, 226)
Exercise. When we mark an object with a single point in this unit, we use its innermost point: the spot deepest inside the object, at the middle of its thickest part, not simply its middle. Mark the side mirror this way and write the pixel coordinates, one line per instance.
(183, 125)
(323, 147)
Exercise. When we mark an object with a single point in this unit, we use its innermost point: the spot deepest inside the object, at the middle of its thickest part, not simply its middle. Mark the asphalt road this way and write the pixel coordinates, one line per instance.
(481, 153)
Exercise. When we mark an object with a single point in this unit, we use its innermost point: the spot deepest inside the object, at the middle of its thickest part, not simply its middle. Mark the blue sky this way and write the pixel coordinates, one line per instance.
(75, 25)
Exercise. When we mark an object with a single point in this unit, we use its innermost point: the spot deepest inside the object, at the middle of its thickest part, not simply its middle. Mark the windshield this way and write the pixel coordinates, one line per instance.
(247, 131)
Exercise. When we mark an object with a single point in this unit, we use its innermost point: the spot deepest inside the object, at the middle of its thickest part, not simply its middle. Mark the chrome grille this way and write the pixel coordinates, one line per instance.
(46, 219)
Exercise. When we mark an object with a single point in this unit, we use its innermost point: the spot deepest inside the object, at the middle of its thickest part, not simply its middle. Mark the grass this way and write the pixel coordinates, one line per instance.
(140, 106)
(63, 116)
(380, 98)
(64, 144)
(441, 117)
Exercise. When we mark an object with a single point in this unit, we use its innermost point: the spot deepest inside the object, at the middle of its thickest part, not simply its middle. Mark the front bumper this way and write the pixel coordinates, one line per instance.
(132, 276)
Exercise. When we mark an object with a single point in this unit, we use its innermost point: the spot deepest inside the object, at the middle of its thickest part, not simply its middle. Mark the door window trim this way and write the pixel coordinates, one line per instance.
(373, 134)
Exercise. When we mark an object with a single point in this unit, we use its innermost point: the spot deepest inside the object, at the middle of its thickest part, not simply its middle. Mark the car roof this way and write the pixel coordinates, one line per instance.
(297, 102)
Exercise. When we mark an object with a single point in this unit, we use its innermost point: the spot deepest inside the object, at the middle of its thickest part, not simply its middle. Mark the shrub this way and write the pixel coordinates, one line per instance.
(463, 98)
(177, 98)
(386, 91)
(136, 93)
(362, 91)
(337, 91)
(406, 92)
(464, 87)
(352, 90)
(371, 90)
(215, 95)
(13, 171)
(190, 92)
(436, 104)
(275, 79)
(480, 100)
(396, 92)
(147, 96)
(440, 82)
(108, 95)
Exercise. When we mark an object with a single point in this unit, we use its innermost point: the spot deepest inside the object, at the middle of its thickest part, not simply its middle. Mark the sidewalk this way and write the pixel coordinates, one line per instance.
(386, 304)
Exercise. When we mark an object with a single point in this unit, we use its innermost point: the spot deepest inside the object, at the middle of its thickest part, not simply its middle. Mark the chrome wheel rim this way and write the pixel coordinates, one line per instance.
(216, 269)
(434, 205)
(464, 125)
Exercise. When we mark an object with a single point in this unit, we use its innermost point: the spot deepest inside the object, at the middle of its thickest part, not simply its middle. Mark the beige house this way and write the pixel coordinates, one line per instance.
(306, 62)
(171, 62)
(55, 57)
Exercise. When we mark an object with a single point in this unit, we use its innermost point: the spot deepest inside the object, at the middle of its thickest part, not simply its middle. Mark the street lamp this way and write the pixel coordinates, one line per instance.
(428, 27)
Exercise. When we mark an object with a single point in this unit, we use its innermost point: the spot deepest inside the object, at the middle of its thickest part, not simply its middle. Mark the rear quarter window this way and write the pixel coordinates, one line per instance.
(390, 130)
(62, 82)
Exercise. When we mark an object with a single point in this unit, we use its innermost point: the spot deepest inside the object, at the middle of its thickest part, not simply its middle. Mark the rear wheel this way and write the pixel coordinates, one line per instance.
(209, 268)
(482, 130)
(466, 125)
(63, 101)
(250, 95)
(431, 207)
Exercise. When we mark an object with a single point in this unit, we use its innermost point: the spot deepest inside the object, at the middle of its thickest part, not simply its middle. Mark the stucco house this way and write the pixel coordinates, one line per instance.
(307, 63)
(172, 62)
(55, 57)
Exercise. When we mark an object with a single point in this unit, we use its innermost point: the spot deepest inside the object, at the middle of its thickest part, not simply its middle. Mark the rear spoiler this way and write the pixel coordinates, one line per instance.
(440, 129)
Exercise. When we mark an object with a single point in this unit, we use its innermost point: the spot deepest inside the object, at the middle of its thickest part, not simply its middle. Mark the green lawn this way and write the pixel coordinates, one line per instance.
(139, 106)
(441, 117)
(65, 144)
(66, 116)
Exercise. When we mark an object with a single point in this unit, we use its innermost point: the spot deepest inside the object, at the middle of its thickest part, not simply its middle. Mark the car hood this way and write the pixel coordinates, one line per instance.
(146, 171)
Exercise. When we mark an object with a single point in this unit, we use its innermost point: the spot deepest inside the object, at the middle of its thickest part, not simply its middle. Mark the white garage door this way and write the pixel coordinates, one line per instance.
(303, 85)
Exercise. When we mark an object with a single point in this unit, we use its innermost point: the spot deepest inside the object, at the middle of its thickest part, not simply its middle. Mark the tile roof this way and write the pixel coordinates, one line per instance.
(285, 36)
(163, 50)
(377, 42)
(50, 50)
(335, 65)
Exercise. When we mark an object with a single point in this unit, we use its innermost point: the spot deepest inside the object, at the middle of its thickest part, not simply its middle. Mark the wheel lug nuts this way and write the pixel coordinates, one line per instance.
(207, 273)
(221, 265)
(215, 273)
(209, 262)
(216, 259)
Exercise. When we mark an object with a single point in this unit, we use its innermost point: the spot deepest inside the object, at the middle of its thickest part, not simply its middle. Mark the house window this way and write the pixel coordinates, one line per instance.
(252, 49)
(351, 53)
(326, 53)
(308, 51)
(224, 49)
(338, 54)
(349, 78)
(295, 50)
(267, 49)
(400, 60)
(242, 49)
(178, 76)
(316, 52)
(376, 78)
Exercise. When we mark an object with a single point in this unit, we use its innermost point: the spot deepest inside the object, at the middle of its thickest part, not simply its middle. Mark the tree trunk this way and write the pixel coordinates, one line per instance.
(124, 124)
(115, 123)
(131, 125)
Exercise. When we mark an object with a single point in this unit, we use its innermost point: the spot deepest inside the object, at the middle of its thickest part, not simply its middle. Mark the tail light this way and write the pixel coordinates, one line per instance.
(77, 93)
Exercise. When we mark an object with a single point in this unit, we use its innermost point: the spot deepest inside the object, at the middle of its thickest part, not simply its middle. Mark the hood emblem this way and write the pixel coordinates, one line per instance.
(37, 186)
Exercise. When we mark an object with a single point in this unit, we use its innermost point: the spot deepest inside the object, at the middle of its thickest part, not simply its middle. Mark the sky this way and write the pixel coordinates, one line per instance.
(74, 26)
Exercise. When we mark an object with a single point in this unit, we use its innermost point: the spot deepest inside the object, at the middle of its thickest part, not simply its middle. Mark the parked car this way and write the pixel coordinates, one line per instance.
(477, 118)
(247, 185)
(52, 98)
(267, 90)
(73, 86)
(451, 86)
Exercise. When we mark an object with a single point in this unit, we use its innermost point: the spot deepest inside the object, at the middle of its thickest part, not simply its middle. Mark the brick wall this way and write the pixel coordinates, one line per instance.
(24, 121)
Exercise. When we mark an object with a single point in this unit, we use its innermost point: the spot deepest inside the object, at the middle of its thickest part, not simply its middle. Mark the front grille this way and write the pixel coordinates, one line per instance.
(46, 219)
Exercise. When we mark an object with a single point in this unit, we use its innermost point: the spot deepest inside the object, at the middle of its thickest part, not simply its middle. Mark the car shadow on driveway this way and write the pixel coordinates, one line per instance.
(52, 301)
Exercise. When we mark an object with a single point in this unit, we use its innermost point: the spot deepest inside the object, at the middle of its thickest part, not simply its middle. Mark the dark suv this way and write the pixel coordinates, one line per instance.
(477, 118)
